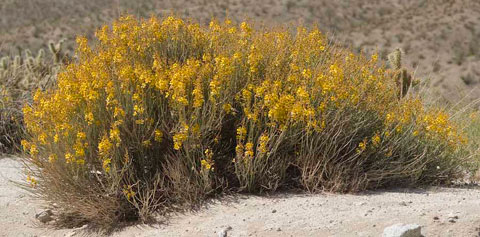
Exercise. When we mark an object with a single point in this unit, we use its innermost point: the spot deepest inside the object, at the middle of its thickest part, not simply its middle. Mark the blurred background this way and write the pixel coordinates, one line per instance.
(440, 38)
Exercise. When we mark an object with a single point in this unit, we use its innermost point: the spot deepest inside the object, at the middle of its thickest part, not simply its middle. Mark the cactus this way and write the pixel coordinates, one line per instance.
(4, 63)
(40, 56)
(56, 50)
(17, 63)
(395, 59)
(30, 62)
(402, 77)
(28, 53)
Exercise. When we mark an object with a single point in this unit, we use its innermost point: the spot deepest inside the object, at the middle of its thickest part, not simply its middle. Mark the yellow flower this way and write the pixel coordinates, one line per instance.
(128, 192)
(158, 135)
(42, 138)
(362, 146)
(25, 145)
(33, 182)
(69, 158)
(376, 140)
(115, 136)
(239, 149)
(146, 143)
(263, 143)
(81, 136)
(33, 150)
(52, 158)
(241, 133)
(80, 161)
(227, 108)
(106, 165)
(208, 154)
(249, 150)
(79, 151)
(105, 146)
(180, 137)
(89, 118)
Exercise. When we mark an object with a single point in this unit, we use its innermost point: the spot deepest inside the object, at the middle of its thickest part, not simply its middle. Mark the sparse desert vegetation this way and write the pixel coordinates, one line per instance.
(131, 117)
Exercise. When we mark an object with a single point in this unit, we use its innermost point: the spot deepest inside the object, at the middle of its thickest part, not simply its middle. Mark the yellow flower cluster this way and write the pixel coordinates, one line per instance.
(208, 161)
(128, 192)
(33, 182)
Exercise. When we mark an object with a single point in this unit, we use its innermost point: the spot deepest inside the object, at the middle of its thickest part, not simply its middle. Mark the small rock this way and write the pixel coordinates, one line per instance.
(403, 204)
(45, 216)
(224, 231)
(278, 229)
(452, 216)
(401, 230)
(436, 218)
(274, 211)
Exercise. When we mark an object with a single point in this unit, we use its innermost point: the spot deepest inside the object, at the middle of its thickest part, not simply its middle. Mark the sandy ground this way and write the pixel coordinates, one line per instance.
(366, 214)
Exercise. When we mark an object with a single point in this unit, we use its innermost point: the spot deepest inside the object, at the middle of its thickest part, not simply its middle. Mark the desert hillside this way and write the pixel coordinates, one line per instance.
(439, 37)
(257, 128)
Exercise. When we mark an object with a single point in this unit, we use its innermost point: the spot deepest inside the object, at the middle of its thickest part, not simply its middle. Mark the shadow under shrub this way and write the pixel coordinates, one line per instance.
(161, 114)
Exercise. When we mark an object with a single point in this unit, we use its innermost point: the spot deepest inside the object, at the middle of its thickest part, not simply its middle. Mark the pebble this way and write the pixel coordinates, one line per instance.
(401, 230)
(44, 216)
(452, 218)
(274, 211)
(224, 231)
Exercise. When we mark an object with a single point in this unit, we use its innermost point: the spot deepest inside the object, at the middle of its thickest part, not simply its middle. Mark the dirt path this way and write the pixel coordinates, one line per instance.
(282, 215)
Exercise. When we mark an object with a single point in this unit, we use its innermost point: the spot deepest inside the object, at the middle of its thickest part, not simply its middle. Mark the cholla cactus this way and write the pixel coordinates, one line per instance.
(56, 50)
(4, 63)
(4, 67)
(402, 77)
(40, 57)
(395, 59)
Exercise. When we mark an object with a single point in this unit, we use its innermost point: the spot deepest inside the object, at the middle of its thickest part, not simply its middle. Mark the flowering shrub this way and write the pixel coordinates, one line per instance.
(161, 113)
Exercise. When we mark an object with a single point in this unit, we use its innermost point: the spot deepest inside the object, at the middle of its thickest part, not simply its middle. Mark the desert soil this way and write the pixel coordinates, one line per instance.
(365, 214)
